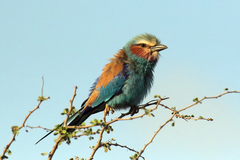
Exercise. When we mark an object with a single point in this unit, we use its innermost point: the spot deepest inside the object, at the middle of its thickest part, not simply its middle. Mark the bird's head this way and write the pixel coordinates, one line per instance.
(144, 46)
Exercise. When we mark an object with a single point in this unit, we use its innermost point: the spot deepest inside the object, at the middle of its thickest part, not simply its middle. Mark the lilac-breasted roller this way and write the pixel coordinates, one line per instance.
(125, 80)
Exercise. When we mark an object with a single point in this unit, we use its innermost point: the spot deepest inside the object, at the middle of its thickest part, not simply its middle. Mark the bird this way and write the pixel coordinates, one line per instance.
(125, 80)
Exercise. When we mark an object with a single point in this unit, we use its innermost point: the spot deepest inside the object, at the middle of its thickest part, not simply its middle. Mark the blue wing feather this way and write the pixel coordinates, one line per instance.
(113, 88)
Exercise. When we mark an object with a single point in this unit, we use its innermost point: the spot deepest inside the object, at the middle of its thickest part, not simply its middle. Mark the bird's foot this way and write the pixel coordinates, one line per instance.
(107, 109)
(133, 110)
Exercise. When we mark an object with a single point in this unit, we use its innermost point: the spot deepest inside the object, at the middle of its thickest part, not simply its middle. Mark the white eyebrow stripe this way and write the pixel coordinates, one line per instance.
(150, 43)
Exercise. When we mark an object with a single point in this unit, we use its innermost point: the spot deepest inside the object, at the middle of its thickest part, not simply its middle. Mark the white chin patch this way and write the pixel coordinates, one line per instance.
(153, 57)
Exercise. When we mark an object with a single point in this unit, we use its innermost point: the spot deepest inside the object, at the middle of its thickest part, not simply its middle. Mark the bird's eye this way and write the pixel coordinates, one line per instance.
(143, 45)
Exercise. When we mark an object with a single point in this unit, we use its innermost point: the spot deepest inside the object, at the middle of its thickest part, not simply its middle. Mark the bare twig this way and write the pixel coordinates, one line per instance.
(118, 145)
(65, 124)
(81, 127)
(176, 113)
(6, 148)
(207, 98)
(71, 104)
(167, 107)
(98, 145)
(54, 147)
(83, 134)
(47, 129)
(154, 135)
(31, 113)
(195, 119)
(23, 124)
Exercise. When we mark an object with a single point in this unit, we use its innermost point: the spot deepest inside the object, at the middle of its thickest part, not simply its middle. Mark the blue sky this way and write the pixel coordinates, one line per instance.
(69, 43)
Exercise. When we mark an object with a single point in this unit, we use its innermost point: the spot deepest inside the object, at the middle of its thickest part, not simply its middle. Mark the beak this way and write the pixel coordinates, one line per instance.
(158, 47)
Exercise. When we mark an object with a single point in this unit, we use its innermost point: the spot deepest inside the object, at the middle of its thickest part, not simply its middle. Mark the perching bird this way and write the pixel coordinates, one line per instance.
(125, 80)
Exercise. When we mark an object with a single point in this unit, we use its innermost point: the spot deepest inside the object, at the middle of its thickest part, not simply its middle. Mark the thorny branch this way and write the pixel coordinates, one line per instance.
(150, 103)
(47, 129)
(116, 144)
(207, 98)
(130, 149)
(120, 118)
(98, 145)
(154, 135)
(156, 102)
(84, 134)
(176, 114)
(65, 124)
(23, 124)
(71, 104)
(54, 147)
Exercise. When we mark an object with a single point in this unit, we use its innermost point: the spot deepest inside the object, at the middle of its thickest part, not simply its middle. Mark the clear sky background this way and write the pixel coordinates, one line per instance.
(69, 42)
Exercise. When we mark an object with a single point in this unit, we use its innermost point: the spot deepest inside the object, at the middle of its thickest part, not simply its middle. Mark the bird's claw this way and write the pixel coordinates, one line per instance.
(107, 109)
(133, 110)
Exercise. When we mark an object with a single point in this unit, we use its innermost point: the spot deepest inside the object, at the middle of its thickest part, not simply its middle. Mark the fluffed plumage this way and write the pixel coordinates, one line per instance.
(125, 81)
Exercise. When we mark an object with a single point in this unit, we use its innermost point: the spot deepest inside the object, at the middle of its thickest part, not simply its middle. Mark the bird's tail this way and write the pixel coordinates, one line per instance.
(79, 117)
